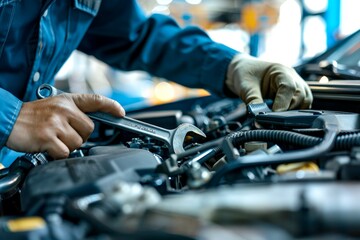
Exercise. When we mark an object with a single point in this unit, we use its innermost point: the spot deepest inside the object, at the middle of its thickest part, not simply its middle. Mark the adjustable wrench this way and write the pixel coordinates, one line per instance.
(173, 138)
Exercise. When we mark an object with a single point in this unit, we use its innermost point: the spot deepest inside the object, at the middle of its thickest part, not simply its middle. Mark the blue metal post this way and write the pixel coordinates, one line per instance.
(332, 19)
(254, 44)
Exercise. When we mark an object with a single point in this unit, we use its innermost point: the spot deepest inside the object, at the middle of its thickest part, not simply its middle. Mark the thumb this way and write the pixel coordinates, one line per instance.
(97, 103)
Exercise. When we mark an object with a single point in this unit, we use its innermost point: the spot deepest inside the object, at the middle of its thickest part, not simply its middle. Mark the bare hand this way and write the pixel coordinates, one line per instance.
(58, 125)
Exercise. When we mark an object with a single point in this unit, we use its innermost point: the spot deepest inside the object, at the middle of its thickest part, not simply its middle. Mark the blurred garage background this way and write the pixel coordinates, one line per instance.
(285, 31)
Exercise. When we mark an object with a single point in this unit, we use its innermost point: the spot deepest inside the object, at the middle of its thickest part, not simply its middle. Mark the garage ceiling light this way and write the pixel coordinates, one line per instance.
(164, 2)
(194, 1)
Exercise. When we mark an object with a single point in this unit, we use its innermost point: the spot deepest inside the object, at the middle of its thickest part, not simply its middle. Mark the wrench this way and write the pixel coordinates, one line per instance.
(173, 138)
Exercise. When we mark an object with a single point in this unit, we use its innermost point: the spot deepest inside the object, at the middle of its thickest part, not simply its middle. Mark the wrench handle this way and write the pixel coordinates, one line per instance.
(133, 125)
(125, 123)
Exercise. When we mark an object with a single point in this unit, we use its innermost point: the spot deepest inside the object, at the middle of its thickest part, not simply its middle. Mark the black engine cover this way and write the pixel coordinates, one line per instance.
(80, 176)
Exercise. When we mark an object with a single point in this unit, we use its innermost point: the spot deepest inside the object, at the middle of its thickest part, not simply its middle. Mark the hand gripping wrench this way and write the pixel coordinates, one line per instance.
(173, 138)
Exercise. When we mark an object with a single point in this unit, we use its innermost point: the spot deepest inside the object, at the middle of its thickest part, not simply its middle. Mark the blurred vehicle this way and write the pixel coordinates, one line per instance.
(258, 174)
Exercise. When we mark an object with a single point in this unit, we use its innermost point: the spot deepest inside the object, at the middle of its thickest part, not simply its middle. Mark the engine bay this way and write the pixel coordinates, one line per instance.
(257, 174)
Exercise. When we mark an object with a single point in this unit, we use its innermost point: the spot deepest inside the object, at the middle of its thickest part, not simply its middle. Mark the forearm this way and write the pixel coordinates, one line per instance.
(159, 46)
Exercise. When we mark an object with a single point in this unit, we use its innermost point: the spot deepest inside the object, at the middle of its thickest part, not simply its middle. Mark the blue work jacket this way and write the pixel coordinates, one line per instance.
(37, 36)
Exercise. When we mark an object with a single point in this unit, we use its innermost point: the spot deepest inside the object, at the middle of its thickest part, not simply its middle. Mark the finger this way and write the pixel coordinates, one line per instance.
(253, 96)
(298, 98)
(82, 124)
(74, 117)
(250, 94)
(57, 149)
(284, 94)
(308, 98)
(97, 103)
(279, 84)
(70, 138)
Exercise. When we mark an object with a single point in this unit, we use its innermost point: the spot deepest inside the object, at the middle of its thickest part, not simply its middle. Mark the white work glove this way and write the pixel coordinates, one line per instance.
(254, 80)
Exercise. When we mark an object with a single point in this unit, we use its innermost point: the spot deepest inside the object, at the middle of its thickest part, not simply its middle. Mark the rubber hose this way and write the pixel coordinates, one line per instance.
(279, 136)
(347, 141)
(343, 142)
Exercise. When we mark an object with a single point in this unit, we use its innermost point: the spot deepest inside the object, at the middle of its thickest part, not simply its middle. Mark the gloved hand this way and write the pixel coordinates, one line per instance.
(253, 80)
(58, 125)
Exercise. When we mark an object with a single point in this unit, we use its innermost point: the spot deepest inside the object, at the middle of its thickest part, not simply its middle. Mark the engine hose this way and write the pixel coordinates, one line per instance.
(328, 123)
(342, 142)
(347, 141)
(279, 136)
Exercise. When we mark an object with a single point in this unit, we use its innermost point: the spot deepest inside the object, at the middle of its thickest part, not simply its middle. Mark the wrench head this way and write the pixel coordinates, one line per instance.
(178, 137)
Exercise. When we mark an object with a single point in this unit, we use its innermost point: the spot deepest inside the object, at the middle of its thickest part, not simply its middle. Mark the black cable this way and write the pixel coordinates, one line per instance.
(201, 148)
(330, 126)
(342, 142)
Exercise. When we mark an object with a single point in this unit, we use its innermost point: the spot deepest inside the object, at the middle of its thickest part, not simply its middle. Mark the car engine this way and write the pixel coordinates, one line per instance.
(257, 174)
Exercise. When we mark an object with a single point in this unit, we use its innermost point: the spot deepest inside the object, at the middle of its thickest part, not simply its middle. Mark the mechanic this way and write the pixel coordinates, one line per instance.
(36, 38)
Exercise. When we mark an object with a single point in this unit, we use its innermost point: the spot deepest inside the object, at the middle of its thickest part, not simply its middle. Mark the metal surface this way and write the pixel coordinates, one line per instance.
(11, 181)
(173, 138)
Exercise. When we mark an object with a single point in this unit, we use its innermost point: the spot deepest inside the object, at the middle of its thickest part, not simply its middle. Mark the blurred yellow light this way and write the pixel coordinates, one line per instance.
(250, 18)
(164, 92)
(324, 79)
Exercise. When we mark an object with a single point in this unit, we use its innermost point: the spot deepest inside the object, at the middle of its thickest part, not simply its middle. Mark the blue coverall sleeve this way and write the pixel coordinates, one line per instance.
(122, 36)
(9, 110)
